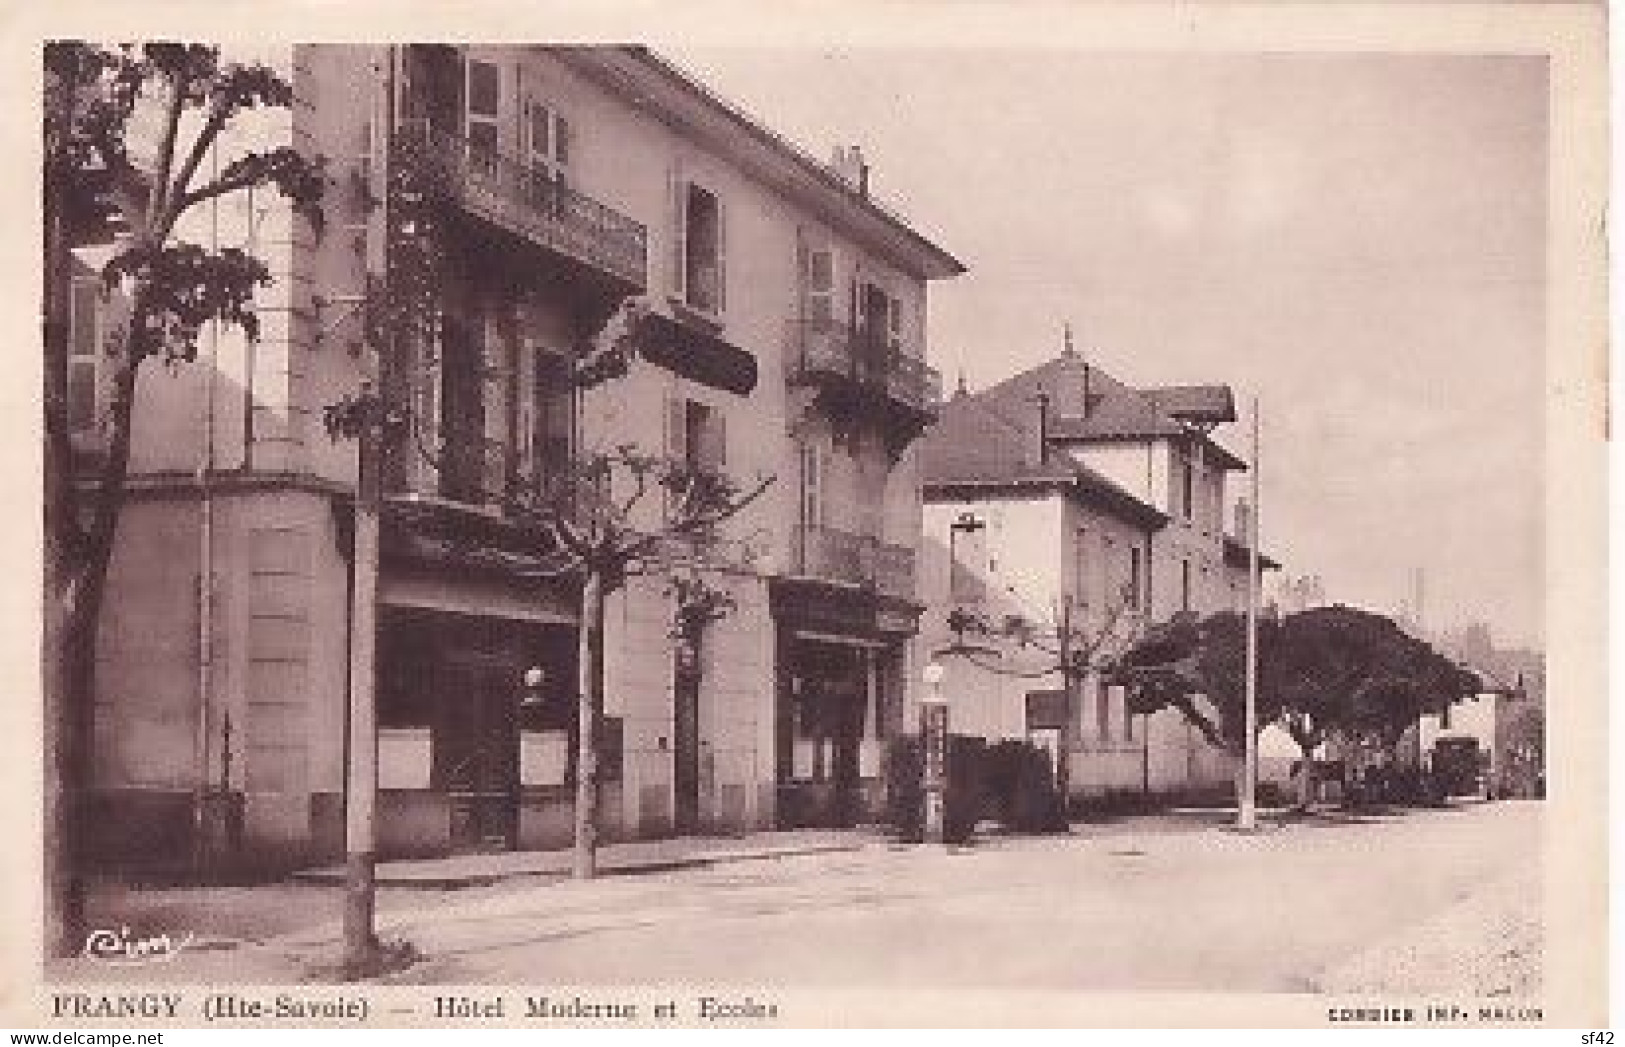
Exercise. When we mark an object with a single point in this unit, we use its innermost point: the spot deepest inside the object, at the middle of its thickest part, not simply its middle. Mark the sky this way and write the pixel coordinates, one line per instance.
(1357, 240)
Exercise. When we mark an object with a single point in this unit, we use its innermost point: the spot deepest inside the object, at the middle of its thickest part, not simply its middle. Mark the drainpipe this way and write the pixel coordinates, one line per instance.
(205, 592)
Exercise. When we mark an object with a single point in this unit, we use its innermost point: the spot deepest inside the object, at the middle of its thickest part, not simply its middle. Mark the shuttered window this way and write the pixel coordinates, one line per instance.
(483, 114)
(546, 136)
(817, 271)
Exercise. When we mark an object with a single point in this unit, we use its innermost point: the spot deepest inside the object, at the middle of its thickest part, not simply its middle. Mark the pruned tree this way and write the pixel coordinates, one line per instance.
(1069, 645)
(98, 187)
(608, 515)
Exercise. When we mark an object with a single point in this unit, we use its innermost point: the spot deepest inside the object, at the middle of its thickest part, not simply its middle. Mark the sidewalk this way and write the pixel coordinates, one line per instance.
(274, 932)
(641, 856)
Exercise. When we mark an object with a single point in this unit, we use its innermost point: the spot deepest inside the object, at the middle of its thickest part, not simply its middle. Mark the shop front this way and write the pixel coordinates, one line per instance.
(840, 673)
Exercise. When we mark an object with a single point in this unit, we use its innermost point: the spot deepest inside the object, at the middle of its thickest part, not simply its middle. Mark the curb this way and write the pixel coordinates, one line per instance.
(452, 882)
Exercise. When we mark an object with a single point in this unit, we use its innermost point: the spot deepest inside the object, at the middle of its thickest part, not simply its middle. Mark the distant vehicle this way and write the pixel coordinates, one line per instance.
(1459, 766)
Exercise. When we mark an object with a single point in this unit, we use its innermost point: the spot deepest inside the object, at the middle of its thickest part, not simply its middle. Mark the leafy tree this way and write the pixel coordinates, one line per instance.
(96, 186)
(1320, 671)
(1198, 666)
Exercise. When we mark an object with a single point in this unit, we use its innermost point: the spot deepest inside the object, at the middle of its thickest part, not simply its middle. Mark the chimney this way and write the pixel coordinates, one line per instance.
(1042, 399)
(849, 166)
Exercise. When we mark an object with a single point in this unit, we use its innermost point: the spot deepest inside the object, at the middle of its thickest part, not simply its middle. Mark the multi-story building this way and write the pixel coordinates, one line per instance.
(491, 209)
(1062, 495)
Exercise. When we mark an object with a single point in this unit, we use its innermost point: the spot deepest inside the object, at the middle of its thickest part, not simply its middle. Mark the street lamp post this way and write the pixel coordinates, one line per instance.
(934, 739)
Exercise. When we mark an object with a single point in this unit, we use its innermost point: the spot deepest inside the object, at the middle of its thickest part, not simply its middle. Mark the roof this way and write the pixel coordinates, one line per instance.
(1235, 555)
(975, 447)
(1209, 404)
(654, 82)
(1087, 404)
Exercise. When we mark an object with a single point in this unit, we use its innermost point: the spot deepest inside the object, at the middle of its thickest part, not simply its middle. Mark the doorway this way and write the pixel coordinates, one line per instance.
(477, 753)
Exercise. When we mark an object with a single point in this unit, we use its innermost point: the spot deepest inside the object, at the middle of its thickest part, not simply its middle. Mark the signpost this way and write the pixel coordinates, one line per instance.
(934, 739)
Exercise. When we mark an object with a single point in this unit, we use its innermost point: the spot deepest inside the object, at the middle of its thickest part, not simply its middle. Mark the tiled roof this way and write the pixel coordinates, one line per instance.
(1199, 403)
(1086, 403)
(975, 445)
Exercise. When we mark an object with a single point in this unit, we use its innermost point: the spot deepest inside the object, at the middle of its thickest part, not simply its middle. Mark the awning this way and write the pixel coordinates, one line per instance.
(689, 350)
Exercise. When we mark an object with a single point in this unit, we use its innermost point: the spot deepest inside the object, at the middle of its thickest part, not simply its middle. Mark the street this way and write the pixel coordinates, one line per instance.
(1176, 902)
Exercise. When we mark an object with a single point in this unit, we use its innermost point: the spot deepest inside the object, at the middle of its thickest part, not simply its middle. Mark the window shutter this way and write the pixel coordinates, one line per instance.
(812, 481)
(722, 255)
(676, 428)
(803, 275)
(84, 353)
(526, 393)
(716, 454)
(678, 224)
(561, 140)
(1173, 479)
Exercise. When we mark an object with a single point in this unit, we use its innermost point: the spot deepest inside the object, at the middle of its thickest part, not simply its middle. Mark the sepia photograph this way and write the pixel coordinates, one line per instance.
(531, 522)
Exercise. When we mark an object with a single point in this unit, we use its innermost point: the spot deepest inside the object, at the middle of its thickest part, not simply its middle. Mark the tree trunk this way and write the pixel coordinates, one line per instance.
(1306, 778)
(590, 676)
(64, 924)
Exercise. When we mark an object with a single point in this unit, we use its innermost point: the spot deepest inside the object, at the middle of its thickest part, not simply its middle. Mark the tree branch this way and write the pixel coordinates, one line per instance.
(218, 115)
(158, 194)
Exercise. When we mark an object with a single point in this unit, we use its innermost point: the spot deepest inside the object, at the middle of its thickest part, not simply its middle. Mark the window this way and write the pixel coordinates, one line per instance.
(1111, 597)
(696, 435)
(880, 323)
(1103, 712)
(483, 115)
(1187, 487)
(812, 484)
(84, 358)
(1080, 566)
(547, 154)
(1128, 719)
(1134, 577)
(701, 276)
(550, 422)
(817, 268)
(1184, 585)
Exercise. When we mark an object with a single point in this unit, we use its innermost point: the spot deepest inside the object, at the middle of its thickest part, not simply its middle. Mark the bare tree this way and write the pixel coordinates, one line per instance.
(612, 513)
(1012, 645)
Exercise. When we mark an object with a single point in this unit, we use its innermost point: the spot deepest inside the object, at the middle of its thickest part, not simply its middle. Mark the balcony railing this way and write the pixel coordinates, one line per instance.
(479, 472)
(828, 348)
(526, 200)
(841, 556)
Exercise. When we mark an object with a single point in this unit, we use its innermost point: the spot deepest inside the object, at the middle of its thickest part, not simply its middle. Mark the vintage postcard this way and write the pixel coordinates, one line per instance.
(978, 514)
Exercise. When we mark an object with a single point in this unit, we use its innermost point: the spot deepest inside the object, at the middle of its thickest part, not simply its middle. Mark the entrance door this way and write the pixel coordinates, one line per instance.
(478, 752)
(686, 751)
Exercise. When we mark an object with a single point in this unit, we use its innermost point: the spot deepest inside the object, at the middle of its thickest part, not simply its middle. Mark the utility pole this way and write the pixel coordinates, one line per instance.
(1063, 759)
(1247, 808)
(584, 862)
(361, 770)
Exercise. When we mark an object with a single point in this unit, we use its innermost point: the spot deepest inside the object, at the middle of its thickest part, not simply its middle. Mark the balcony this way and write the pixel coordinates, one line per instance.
(526, 202)
(839, 556)
(860, 378)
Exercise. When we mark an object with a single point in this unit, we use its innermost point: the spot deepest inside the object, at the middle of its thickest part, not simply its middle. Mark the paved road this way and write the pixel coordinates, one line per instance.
(1157, 904)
